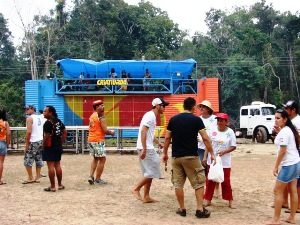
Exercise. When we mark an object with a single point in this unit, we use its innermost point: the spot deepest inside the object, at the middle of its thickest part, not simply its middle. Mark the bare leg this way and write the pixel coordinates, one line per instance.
(180, 197)
(206, 203)
(292, 187)
(136, 190)
(93, 166)
(100, 167)
(230, 204)
(199, 198)
(38, 174)
(217, 192)
(147, 186)
(51, 174)
(285, 198)
(29, 172)
(2, 157)
(298, 191)
(58, 171)
(278, 200)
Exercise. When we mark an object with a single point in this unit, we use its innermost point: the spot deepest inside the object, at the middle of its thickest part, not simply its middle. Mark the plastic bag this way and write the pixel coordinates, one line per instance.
(216, 172)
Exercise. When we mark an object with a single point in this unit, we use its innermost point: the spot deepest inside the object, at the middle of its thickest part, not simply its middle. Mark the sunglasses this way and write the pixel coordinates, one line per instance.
(162, 106)
(279, 110)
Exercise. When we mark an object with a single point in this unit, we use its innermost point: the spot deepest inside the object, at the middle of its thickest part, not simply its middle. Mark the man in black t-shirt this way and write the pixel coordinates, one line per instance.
(55, 134)
(183, 130)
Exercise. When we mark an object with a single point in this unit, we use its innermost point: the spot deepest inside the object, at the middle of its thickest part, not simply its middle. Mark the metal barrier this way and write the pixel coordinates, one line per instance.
(131, 86)
(77, 136)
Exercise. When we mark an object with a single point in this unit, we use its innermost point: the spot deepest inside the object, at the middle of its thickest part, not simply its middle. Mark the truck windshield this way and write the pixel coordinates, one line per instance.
(267, 111)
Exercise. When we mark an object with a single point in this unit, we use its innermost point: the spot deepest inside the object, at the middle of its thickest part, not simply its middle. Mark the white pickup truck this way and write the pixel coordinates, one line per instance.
(257, 121)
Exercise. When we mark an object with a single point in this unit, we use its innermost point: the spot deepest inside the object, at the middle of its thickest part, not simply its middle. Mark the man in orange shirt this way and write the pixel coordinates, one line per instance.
(97, 131)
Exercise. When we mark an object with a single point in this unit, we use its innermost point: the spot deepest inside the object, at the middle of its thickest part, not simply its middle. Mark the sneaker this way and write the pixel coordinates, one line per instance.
(100, 182)
(181, 212)
(202, 214)
(91, 180)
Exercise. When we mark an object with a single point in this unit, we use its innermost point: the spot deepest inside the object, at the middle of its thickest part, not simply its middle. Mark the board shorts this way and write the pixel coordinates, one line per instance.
(97, 149)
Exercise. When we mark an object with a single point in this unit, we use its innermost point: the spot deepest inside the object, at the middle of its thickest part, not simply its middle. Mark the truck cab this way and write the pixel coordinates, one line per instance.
(257, 121)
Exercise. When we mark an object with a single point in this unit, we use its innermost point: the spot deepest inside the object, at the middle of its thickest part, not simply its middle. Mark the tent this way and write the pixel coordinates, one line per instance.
(72, 68)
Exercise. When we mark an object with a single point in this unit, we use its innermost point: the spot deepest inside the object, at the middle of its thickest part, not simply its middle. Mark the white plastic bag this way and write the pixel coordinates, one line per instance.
(216, 172)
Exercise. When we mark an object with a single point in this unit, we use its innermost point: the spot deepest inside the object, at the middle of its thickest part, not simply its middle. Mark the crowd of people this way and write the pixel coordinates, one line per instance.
(45, 134)
(86, 82)
(196, 142)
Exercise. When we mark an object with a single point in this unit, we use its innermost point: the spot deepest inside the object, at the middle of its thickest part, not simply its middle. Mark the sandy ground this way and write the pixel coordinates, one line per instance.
(113, 203)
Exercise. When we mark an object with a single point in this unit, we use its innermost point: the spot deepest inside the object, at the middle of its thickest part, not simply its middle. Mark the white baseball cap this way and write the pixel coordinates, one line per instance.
(159, 101)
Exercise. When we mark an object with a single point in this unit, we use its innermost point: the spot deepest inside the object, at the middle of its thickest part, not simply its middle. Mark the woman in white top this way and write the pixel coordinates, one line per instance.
(288, 158)
(223, 142)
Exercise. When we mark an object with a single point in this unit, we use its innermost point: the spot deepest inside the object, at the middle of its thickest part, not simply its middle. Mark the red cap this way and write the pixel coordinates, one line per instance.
(98, 102)
(222, 116)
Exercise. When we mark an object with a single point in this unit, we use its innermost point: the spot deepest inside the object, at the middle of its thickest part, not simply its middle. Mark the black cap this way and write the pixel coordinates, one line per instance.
(291, 104)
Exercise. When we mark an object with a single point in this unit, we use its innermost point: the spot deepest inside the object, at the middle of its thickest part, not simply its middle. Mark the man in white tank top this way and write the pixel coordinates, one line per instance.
(33, 144)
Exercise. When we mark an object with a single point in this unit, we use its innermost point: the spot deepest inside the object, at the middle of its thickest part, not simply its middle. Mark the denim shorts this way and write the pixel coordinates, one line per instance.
(289, 173)
(201, 153)
(3, 148)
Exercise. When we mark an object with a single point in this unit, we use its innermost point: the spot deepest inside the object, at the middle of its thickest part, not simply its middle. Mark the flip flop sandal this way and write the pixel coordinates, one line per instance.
(28, 182)
(181, 212)
(2, 182)
(61, 187)
(289, 211)
(48, 189)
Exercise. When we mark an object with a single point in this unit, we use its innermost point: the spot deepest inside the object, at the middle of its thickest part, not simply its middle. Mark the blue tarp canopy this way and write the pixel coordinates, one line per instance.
(72, 68)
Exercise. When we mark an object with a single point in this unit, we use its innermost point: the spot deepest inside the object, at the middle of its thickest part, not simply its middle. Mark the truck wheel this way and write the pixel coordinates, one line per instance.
(261, 136)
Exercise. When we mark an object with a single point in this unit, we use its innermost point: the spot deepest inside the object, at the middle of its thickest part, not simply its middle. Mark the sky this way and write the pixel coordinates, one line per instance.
(188, 14)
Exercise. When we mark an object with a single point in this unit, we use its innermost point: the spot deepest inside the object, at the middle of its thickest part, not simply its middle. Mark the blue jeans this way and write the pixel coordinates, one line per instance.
(201, 154)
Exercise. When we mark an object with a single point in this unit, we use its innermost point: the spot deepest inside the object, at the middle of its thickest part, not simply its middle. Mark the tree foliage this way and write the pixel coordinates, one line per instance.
(255, 51)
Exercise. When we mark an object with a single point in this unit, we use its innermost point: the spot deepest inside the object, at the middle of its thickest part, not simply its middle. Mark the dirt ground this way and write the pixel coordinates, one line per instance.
(113, 203)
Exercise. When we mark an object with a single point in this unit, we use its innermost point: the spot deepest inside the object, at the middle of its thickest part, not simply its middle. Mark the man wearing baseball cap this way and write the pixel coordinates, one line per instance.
(291, 107)
(33, 144)
(149, 158)
(96, 142)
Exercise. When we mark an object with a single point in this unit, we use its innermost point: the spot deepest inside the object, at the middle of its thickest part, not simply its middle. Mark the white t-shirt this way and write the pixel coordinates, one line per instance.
(222, 140)
(285, 137)
(37, 128)
(148, 120)
(296, 122)
(209, 123)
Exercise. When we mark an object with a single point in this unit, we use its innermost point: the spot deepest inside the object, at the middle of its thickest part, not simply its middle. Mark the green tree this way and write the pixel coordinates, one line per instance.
(7, 51)
(11, 85)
